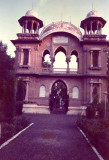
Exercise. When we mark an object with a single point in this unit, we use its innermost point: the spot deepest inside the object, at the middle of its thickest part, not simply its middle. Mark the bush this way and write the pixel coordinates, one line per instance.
(90, 111)
(101, 110)
(10, 129)
(98, 133)
(19, 106)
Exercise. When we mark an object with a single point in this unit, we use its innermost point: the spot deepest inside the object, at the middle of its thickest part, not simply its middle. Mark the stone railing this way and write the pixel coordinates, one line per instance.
(39, 70)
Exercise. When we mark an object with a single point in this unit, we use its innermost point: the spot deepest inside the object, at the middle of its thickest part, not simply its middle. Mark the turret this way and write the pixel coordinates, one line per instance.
(93, 24)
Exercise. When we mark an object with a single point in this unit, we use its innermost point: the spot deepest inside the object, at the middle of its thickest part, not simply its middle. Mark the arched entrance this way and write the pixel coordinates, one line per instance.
(59, 98)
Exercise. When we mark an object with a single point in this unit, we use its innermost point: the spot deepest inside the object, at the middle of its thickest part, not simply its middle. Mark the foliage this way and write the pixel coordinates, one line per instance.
(7, 85)
(101, 109)
(97, 131)
(20, 95)
(97, 110)
(46, 64)
(10, 129)
(90, 111)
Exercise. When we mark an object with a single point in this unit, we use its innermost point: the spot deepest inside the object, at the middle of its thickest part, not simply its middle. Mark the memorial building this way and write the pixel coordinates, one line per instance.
(68, 87)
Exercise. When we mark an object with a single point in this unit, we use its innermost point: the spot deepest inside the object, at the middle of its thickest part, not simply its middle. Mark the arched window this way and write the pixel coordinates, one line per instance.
(73, 65)
(60, 60)
(42, 91)
(75, 93)
(46, 59)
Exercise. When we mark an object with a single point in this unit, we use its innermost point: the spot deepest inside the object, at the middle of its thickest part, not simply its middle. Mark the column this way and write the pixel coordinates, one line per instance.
(37, 28)
(97, 28)
(91, 91)
(100, 91)
(21, 57)
(100, 28)
(22, 28)
(99, 59)
(32, 26)
(29, 58)
(25, 26)
(27, 89)
(52, 61)
(68, 60)
(91, 58)
(91, 27)
(85, 30)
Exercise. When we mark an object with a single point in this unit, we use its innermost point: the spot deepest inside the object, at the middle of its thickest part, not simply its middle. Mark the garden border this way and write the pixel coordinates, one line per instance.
(15, 136)
(93, 148)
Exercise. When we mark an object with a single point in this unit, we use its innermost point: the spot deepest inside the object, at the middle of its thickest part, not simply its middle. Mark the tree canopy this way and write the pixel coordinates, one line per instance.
(7, 83)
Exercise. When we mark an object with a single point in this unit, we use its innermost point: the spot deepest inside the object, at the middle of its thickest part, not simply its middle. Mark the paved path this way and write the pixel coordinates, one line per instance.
(52, 137)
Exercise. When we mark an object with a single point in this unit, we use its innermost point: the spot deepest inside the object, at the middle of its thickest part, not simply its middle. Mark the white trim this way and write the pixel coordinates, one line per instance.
(15, 136)
(93, 148)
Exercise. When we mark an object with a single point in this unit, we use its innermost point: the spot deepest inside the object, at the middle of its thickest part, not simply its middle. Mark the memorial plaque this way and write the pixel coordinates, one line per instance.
(60, 39)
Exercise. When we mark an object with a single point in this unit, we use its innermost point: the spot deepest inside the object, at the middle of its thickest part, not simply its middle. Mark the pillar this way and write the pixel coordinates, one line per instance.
(22, 28)
(21, 56)
(32, 26)
(99, 59)
(91, 27)
(52, 61)
(27, 89)
(91, 58)
(91, 90)
(29, 58)
(85, 30)
(25, 26)
(68, 60)
(97, 28)
(100, 91)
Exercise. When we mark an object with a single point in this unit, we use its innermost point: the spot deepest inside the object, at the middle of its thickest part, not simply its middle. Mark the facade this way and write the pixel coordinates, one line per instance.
(80, 83)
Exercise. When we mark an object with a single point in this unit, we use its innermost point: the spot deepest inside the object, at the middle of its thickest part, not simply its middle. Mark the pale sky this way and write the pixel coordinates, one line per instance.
(48, 11)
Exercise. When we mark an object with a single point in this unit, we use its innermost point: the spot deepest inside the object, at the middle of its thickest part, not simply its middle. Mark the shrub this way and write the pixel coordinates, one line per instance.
(98, 133)
(10, 129)
(90, 111)
(101, 109)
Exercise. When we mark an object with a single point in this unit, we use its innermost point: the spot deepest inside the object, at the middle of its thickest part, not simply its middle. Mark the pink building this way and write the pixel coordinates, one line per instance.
(85, 56)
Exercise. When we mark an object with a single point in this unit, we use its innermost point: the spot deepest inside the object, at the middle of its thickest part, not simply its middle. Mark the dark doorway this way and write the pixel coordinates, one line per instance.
(59, 98)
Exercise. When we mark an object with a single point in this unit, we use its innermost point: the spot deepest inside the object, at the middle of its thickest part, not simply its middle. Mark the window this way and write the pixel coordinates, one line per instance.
(26, 56)
(95, 95)
(95, 58)
(42, 91)
(75, 93)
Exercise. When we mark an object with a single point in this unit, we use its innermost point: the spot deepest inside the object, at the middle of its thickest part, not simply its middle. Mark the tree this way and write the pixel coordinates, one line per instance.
(20, 95)
(7, 84)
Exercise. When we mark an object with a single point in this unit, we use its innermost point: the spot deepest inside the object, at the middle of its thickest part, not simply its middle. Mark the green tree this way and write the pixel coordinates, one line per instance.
(20, 95)
(7, 84)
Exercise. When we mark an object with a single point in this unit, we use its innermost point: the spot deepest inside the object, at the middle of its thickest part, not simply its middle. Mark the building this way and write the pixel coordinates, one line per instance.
(42, 79)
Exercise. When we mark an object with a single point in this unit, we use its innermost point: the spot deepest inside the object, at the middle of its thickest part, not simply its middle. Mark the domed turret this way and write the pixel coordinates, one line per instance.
(31, 13)
(92, 13)
(30, 22)
(93, 23)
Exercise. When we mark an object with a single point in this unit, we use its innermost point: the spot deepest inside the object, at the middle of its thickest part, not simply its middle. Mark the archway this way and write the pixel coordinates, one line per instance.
(59, 98)
(60, 64)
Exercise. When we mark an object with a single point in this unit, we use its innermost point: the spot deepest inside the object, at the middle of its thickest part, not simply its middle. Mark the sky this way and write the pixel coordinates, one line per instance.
(48, 11)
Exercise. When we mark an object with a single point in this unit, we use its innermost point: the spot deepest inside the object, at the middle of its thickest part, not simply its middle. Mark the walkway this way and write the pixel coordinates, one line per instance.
(52, 137)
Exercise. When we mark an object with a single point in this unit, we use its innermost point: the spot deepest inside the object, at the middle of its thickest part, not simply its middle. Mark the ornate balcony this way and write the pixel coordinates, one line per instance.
(38, 70)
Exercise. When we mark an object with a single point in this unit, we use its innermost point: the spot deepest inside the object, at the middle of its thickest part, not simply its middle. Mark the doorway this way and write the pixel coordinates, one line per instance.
(58, 100)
